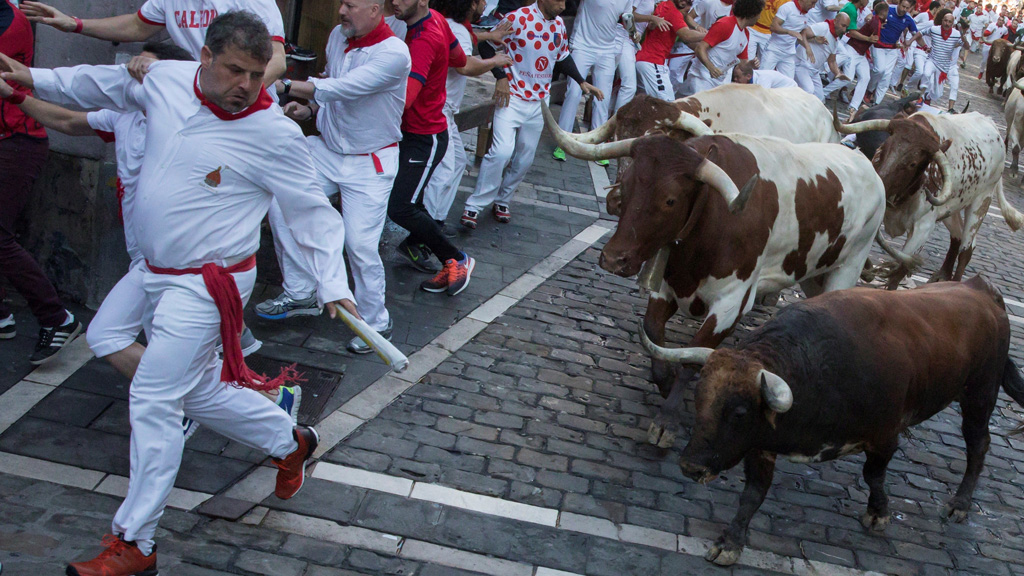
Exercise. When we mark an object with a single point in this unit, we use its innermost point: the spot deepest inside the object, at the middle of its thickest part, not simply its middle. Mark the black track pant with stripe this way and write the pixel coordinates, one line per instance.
(418, 156)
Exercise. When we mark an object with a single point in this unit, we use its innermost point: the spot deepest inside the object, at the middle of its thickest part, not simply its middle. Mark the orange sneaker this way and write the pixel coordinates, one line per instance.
(120, 558)
(439, 283)
(459, 273)
(291, 470)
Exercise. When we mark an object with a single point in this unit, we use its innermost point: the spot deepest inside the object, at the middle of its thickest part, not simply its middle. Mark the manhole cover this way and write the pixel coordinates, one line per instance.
(317, 389)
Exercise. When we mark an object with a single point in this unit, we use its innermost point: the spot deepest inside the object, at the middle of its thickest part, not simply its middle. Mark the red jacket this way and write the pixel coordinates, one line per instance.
(16, 42)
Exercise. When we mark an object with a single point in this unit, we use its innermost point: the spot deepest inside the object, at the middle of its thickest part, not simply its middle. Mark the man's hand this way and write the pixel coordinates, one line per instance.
(660, 23)
(501, 93)
(821, 40)
(589, 88)
(13, 71)
(298, 112)
(873, 38)
(5, 89)
(45, 14)
(843, 78)
(348, 305)
(496, 34)
(715, 72)
(138, 67)
(810, 55)
(502, 60)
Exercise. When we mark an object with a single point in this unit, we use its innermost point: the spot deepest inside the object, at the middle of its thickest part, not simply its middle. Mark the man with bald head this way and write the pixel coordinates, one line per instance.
(358, 109)
(824, 38)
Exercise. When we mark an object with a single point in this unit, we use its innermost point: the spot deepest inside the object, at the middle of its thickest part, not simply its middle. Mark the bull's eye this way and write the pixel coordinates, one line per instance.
(670, 202)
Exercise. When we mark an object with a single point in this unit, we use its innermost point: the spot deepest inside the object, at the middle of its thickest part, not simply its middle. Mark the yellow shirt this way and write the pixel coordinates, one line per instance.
(764, 22)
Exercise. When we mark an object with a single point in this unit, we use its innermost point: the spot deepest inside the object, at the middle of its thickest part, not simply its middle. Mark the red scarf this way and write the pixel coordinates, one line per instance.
(802, 11)
(727, 2)
(379, 34)
(471, 33)
(222, 288)
(832, 27)
(263, 101)
(946, 33)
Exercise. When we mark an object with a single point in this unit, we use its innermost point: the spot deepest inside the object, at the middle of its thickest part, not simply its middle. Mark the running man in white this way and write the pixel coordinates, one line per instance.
(725, 44)
(538, 48)
(358, 107)
(940, 68)
(218, 151)
(787, 27)
(978, 22)
(595, 49)
(185, 21)
(824, 40)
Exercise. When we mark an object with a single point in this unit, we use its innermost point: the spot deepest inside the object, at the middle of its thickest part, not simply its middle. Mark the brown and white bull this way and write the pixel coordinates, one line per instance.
(812, 213)
(939, 168)
(847, 372)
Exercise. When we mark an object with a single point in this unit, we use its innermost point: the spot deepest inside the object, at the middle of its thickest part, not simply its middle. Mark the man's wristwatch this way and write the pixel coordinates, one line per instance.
(287, 85)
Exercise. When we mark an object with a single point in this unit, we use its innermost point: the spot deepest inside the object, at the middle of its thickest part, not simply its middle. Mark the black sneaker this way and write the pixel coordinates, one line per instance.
(7, 328)
(418, 255)
(52, 340)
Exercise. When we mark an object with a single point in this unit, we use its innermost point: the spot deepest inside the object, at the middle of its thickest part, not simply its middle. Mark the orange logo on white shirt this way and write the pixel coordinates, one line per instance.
(213, 178)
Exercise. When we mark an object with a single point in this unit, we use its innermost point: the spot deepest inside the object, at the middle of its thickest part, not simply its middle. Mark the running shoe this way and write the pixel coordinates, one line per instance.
(189, 427)
(285, 307)
(249, 343)
(558, 154)
(288, 399)
(418, 255)
(121, 558)
(468, 219)
(291, 470)
(7, 328)
(602, 163)
(53, 340)
(501, 213)
(359, 346)
(459, 273)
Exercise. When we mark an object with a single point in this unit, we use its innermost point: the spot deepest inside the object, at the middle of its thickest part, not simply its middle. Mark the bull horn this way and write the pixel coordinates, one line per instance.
(583, 150)
(946, 192)
(681, 355)
(712, 174)
(863, 126)
(1019, 84)
(602, 133)
(776, 392)
(690, 124)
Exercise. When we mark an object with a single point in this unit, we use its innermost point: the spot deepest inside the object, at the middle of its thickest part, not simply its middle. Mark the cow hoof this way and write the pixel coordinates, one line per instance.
(659, 436)
(723, 555)
(954, 512)
(874, 522)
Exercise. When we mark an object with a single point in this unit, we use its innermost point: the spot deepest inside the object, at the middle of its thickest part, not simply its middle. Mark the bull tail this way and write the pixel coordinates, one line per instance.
(1014, 219)
(1013, 384)
(907, 261)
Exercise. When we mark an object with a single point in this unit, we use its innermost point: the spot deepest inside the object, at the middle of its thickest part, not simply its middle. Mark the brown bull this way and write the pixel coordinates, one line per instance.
(995, 68)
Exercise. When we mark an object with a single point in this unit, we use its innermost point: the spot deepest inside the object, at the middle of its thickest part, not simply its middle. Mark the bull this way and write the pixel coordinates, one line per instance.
(843, 373)
(1014, 113)
(961, 156)
(995, 68)
(1014, 69)
(812, 212)
(869, 142)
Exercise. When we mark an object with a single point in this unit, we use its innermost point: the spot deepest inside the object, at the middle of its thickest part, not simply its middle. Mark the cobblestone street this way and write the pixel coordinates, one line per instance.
(514, 445)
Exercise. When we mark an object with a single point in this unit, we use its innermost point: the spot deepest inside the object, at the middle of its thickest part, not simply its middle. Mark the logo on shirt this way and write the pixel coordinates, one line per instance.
(194, 18)
(213, 178)
(541, 64)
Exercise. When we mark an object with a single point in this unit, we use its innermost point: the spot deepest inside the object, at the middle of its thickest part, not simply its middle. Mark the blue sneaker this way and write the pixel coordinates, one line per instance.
(285, 307)
(289, 399)
(189, 427)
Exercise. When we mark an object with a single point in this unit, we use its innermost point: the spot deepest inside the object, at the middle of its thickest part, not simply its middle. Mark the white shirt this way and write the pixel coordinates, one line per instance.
(730, 43)
(820, 12)
(709, 11)
(363, 96)
(399, 27)
(995, 33)
(772, 79)
(978, 23)
(128, 133)
(821, 51)
(456, 83)
(923, 21)
(594, 28)
(206, 183)
(187, 20)
(534, 45)
(793, 20)
(645, 7)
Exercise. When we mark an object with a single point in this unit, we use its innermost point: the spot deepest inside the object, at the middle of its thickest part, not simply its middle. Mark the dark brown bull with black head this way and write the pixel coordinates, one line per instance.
(848, 372)
(995, 68)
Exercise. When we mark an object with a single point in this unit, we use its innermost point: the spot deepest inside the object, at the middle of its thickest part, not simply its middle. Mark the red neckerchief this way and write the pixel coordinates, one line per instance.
(802, 11)
(263, 101)
(472, 34)
(832, 27)
(379, 34)
(946, 34)
(727, 2)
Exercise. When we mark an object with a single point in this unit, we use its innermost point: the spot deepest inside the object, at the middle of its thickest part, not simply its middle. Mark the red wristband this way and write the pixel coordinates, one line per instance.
(78, 25)
(16, 98)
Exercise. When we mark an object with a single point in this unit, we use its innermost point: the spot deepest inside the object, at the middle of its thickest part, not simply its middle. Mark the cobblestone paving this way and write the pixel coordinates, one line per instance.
(549, 406)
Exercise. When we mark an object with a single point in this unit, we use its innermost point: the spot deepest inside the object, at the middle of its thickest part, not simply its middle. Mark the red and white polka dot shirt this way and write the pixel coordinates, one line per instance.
(535, 44)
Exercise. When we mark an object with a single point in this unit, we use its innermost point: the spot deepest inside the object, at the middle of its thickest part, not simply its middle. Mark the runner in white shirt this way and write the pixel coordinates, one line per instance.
(358, 106)
(595, 49)
(790, 20)
(537, 46)
(823, 10)
(745, 73)
(916, 56)
(940, 68)
(823, 38)
(725, 44)
(185, 21)
(978, 22)
(994, 31)
(217, 152)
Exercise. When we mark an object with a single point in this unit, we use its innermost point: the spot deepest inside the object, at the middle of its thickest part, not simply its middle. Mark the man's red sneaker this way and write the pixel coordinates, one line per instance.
(501, 213)
(291, 470)
(120, 558)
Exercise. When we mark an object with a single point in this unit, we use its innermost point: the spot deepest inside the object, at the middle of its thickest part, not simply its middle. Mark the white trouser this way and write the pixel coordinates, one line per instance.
(758, 43)
(444, 184)
(985, 49)
(916, 60)
(656, 80)
(118, 322)
(700, 81)
(844, 55)
(933, 89)
(858, 70)
(901, 62)
(781, 61)
(627, 75)
(515, 130)
(680, 64)
(883, 64)
(364, 207)
(602, 67)
(180, 376)
(809, 80)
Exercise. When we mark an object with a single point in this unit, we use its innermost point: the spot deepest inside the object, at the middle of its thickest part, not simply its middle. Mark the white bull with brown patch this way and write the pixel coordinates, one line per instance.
(812, 211)
(940, 168)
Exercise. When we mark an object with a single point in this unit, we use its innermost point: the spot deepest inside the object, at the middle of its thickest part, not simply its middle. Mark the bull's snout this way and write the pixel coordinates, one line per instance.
(619, 263)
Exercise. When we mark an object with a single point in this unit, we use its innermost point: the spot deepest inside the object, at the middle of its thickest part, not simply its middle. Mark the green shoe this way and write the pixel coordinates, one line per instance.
(558, 154)
(601, 162)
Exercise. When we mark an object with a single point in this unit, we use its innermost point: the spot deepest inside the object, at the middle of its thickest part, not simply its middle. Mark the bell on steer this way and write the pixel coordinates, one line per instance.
(653, 270)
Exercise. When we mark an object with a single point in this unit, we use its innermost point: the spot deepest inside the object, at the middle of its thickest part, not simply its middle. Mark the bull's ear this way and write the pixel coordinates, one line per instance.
(712, 155)
(945, 144)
